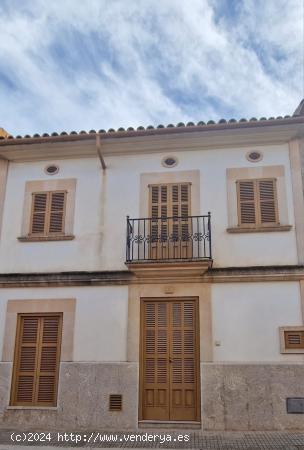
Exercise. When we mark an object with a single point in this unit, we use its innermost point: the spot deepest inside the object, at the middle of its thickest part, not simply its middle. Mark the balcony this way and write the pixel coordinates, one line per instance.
(161, 245)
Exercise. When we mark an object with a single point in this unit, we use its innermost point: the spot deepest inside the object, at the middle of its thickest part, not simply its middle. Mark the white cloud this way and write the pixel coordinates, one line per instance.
(98, 63)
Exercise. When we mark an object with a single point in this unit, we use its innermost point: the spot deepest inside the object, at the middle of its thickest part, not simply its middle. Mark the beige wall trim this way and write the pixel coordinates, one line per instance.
(3, 178)
(298, 194)
(68, 185)
(302, 298)
(276, 228)
(242, 173)
(124, 277)
(283, 348)
(46, 238)
(201, 291)
(182, 176)
(66, 306)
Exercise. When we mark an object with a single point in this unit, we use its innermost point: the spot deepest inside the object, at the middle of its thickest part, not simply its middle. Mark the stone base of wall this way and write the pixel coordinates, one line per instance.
(234, 397)
(240, 397)
(83, 399)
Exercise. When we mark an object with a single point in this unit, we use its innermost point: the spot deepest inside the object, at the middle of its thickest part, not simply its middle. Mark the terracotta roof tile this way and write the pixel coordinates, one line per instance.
(299, 113)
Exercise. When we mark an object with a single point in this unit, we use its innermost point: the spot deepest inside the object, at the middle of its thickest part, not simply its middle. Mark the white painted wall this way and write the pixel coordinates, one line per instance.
(101, 318)
(84, 252)
(246, 318)
(247, 249)
(103, 201)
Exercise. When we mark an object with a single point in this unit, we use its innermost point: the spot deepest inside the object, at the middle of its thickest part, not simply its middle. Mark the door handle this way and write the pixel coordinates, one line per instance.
(170, 360)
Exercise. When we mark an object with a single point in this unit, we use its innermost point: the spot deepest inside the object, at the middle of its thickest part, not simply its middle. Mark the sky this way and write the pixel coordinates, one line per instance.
(99, 64)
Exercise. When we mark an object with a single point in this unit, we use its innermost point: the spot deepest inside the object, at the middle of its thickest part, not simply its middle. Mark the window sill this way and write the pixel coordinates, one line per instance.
(48, 408)
(292, 351)
(260, 229)
(68, 237)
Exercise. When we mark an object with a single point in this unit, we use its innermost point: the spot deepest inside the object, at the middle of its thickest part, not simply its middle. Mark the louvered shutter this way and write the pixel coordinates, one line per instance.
(155, 362)
(48, 213)
(267, 201)
(170, 233)
(26, 360)
(37, 360)
(159, 222)
(170, 358)
(39, 213)
(247, 203)
(155, 214)
(184, 361)
(294, 339)
(57, 210)
(48, 360)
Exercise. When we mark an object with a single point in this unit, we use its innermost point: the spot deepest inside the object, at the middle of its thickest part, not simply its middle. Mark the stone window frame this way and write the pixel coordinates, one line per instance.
(66, 306)
(178, 177)
(68, 185)
(283, 348)
(251, 173)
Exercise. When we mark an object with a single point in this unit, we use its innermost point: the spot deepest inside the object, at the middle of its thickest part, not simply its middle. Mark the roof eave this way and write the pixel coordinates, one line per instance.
(64, 137)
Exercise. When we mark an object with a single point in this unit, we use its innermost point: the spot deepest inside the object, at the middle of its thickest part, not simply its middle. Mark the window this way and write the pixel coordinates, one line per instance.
(36, 360)
(292, 339)
(48, 213)
(257, 199)
(257, 203)
(48, 210)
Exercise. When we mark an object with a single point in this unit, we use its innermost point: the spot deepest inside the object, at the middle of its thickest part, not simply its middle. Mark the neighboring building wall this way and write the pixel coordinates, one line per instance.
(302, 161)
(3, 133)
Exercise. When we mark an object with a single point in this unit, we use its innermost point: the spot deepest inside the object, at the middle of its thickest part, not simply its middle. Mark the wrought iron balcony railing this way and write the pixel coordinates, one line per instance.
(169, 238)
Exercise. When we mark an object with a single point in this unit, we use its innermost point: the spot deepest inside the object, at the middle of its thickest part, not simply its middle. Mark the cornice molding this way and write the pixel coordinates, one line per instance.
(125, 277)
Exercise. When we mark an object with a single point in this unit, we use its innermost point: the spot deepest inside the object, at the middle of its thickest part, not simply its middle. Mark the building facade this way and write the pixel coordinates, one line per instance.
(152, 276)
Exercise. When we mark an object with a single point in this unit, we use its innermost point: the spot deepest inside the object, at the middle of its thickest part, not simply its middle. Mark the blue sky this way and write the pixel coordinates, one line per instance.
(91, 64)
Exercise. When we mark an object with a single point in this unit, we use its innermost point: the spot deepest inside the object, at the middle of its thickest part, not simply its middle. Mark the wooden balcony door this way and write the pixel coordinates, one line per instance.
(170, 238)
(169, 370)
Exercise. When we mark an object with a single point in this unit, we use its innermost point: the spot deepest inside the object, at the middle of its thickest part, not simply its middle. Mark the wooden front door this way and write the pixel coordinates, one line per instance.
(170, 226)
(169, 375)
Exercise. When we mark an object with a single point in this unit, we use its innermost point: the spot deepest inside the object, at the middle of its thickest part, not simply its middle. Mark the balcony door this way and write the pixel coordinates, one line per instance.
(170, 226)
(169, 369)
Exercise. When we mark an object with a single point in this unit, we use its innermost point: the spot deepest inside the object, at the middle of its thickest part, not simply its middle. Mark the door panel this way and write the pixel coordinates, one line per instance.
(155, 363)
(170, 360)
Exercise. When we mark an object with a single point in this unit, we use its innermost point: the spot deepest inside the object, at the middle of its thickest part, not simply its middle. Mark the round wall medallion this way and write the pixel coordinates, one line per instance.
(52, 169)
(169, 161)
(254, 156)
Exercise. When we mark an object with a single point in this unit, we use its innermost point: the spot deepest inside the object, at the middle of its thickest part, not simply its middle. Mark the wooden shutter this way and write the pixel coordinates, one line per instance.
(48, 213)
(170, 203)
(159, 201)
(155, 362)
(57, 210)
(185, 358)
(294, 339)
(170, 360)
(257, 203)
(246, 203)
(36, 362)
(39, 213)
(267, 201)
(27, 349)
